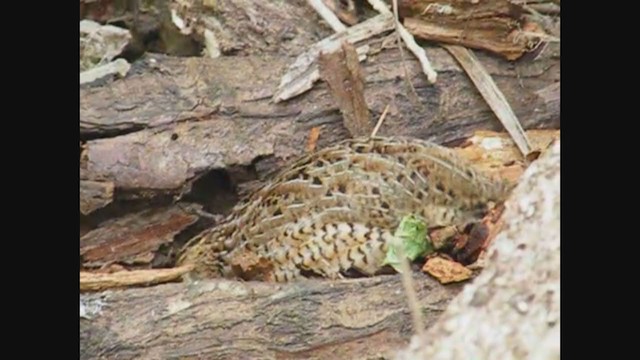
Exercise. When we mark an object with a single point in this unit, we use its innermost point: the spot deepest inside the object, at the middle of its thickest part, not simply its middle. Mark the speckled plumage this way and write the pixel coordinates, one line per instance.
(336, 209)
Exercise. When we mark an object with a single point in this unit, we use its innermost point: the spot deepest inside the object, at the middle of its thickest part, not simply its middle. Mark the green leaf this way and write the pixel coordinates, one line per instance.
(411, 238)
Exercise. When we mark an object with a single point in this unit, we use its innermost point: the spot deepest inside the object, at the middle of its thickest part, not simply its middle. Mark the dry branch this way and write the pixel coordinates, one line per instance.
(350, 319)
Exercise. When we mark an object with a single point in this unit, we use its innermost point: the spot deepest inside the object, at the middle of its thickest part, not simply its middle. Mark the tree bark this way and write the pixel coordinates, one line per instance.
(349, 319)
(95, 195)
(250, 27)
(490, 25)
(135, 238)
(178, 117)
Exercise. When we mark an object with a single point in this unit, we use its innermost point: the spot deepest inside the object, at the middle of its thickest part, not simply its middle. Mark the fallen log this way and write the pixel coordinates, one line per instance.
(184, 116)
(354, 319)
(314, 319)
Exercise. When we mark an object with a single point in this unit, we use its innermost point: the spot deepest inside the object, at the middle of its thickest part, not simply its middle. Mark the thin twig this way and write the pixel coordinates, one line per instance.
(122, 279)
(198, 212)
(407, 279)
(492, 95)
(408, 39)
(327, 15)
(410, 290)
(380, 120)
(404, 62)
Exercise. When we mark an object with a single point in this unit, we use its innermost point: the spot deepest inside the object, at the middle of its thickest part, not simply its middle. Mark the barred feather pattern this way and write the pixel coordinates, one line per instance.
(335, 210)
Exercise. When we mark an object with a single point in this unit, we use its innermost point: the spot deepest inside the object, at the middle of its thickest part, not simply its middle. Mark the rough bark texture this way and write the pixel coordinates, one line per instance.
(133, 239)
(95, 195)
(491, 25)
(341, 71)
(187, 116)
(354, 319)
(249, 27)
(512, 310)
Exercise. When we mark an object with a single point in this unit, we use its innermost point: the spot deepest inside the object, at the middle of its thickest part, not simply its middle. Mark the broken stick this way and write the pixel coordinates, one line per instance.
(341, 71)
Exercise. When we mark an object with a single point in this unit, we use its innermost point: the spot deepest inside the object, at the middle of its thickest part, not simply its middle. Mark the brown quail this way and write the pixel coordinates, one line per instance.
(335, 210)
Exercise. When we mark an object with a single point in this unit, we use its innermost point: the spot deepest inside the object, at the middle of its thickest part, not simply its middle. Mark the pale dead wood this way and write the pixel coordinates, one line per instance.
(492, 95)
(518, 292)
(99, 45)
(345, 10)
(118, 67)
(496, 153)
(380, 121)
(341, 71)
(101, 282)
(219, 319)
